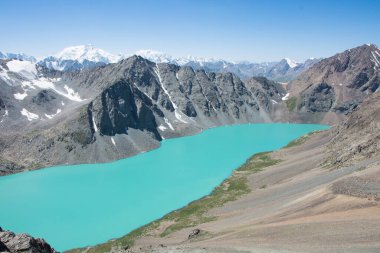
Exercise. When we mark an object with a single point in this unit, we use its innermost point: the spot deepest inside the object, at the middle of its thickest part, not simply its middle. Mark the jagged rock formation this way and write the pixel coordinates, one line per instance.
(15, 243)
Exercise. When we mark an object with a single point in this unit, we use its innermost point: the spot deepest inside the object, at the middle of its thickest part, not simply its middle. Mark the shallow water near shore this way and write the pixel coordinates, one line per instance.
(80, 205)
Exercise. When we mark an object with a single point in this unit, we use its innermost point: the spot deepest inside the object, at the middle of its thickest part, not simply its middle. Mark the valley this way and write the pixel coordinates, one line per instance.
(285, 200)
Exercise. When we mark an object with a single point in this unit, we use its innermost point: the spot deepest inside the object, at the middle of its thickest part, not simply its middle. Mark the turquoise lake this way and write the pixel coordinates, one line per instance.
(81, 205)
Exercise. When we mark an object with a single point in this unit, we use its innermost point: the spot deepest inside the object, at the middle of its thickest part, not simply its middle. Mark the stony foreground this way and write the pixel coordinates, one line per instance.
(11, 242)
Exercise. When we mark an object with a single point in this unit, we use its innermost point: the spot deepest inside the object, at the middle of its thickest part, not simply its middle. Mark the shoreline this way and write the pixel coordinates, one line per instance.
(201, 130)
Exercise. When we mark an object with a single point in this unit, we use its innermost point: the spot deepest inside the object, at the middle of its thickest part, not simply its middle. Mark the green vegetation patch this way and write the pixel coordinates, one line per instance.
(291, 103)
(298, 141)
(194, 213)
(258, 162)
(301, 139)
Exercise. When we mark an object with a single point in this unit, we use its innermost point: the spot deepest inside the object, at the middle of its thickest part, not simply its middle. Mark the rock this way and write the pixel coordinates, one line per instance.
(43, 97)
(11, 242)
(194, 233)
(317, 98)
(347, 107)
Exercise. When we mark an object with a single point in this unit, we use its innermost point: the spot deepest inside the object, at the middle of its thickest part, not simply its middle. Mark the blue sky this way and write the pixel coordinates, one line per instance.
(230, 29)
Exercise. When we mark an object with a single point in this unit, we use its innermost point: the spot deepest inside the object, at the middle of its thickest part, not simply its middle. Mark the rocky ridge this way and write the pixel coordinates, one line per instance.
(336, 85)
(109, 112)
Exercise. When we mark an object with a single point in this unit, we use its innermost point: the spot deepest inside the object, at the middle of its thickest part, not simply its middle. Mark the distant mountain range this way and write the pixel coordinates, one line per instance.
(282, 71)
(88, 56)
(17, 56)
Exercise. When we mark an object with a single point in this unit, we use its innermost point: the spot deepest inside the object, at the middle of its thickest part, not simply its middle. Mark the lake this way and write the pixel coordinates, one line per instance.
(80, 205)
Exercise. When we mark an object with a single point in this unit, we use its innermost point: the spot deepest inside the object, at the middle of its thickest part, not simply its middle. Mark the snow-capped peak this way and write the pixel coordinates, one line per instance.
(155, 56)
(86, 52)
(17, 56)
(291, 63)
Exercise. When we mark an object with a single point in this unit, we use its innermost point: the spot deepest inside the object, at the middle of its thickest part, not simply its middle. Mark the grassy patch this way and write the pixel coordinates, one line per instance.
(194, 213)
(301, 139)
(258, 162)
(298, 141)
(291, 103)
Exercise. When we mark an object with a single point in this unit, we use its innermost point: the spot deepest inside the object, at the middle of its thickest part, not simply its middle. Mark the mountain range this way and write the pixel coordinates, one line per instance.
(87, 56)
(129, 106)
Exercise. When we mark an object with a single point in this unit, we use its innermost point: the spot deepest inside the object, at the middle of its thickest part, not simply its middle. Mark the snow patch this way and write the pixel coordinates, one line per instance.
(62, 103)
(286, 97)
(169, 124)
(113, 141)
(45, 83)
(29, 115)
(20, 96)
(376, 61)
(274, 102)
(291, 63)
(72, 95)
(50, 116)
(176, 113)
(162, 128)
(4, 75)
(25, 68)
(93, 122)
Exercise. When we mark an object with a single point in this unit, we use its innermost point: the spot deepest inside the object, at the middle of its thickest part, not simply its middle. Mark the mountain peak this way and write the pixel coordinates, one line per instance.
(291, 63)
(155, 56)
(17, 56)
(86, 52)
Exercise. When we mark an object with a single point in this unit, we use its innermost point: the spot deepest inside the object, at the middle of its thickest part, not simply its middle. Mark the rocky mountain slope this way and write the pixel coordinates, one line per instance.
(358, 137)
(335, 86)
(109, 112)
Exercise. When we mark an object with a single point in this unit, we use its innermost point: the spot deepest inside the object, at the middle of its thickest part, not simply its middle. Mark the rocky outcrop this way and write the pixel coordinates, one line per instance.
(43, 97)
(15, 243)
(194, 233)
(121, 107)
(317, 98)
(267, 92)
